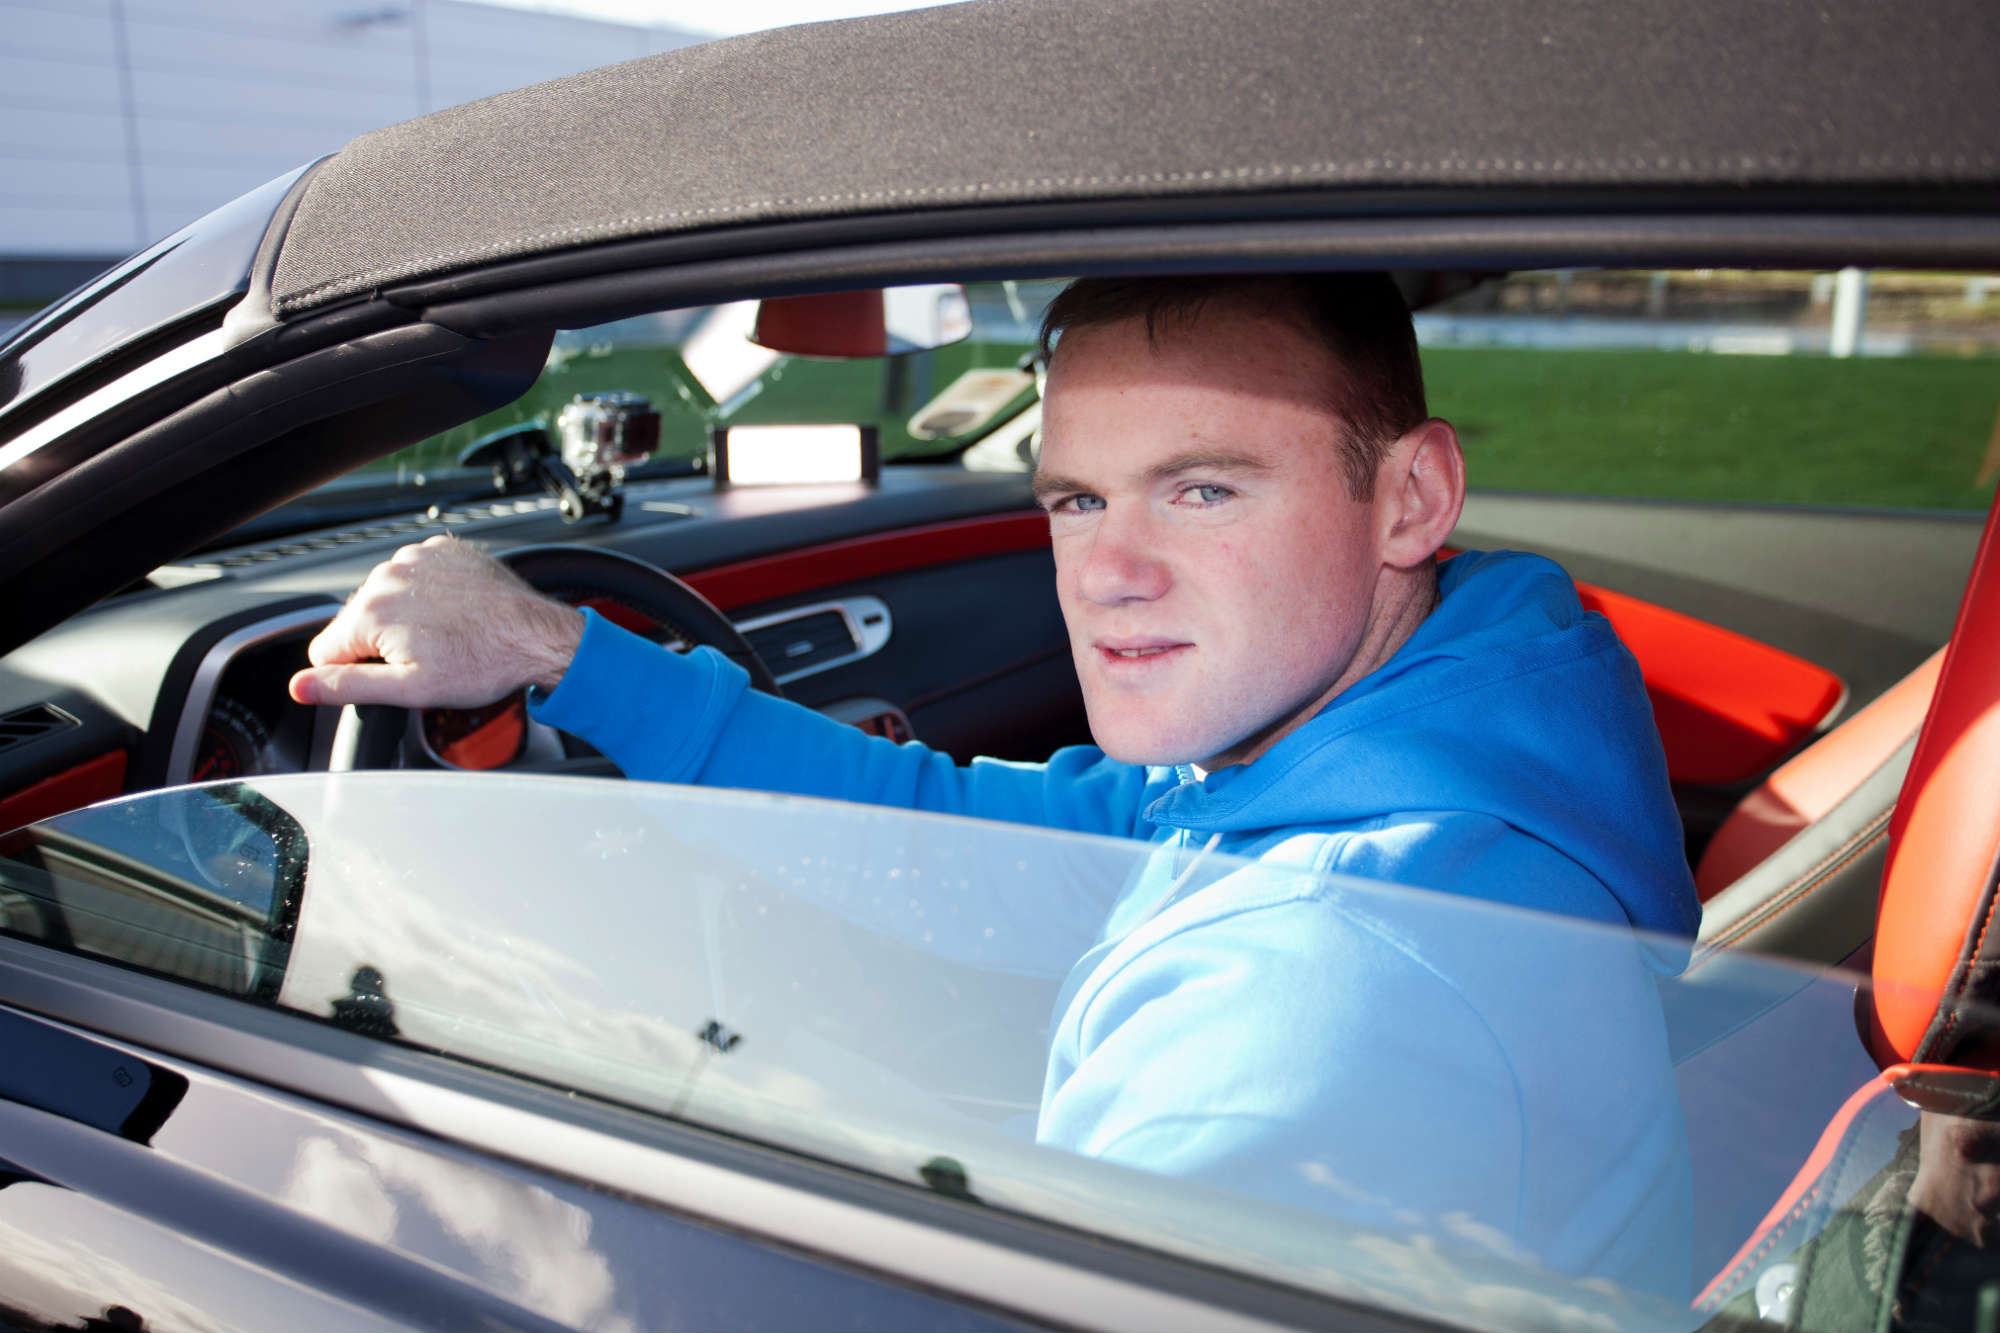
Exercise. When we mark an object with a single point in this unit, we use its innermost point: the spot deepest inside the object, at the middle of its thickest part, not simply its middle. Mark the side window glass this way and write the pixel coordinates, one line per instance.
(1854, 388)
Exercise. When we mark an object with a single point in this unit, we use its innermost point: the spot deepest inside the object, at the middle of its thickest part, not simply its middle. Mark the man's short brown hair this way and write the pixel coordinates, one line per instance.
(1360, 318)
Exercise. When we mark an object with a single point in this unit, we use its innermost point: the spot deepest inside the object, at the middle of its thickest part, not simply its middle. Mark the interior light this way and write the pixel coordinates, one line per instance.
(775, 455)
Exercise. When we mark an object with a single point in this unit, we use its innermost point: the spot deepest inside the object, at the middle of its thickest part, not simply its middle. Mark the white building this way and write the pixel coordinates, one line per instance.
(123, 120)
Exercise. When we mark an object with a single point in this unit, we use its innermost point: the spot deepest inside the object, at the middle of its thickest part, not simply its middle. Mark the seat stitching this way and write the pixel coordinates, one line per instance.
(1783, 1226)
(1802, 886)
(1778, 1231)
(1804, 883)
(1978, 944)
(1801, 892)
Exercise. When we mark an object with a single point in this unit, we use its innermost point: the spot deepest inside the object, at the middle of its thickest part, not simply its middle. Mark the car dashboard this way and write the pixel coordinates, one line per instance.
(856, 596)
(923, 607)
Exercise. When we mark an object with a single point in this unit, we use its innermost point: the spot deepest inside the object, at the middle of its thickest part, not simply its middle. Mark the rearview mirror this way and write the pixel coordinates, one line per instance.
(877, 322)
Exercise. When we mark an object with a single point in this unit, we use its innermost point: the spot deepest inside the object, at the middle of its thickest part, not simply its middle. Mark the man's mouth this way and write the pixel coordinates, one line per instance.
(1130, 651)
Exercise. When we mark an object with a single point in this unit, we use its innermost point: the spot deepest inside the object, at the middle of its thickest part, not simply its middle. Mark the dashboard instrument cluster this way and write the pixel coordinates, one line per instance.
(240, 720)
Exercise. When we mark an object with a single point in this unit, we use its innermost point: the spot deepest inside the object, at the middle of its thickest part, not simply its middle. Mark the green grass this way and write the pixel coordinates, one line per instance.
(1906, 431)
(1902, 432)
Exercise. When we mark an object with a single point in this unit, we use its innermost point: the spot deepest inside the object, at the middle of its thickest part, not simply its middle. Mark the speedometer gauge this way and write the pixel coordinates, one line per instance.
(233, 743)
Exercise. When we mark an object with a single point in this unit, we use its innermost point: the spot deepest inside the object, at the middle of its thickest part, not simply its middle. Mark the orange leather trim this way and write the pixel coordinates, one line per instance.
(96, 779)
(1946, 832)
(1727, 706)
(1813, 782)
(1800, 1191)
(814, 567)
(493, 742)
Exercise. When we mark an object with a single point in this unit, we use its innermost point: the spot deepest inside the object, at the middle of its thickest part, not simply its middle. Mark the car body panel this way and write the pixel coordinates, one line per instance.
(746, 937)
(418, 286)
(262, 1201)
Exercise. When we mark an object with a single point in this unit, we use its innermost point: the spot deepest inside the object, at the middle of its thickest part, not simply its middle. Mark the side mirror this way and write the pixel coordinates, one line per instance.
(876, 322)
(202, 883)
(507, 451)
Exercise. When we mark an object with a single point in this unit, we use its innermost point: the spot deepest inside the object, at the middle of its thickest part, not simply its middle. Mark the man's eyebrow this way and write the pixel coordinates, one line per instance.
(1045, 484)
(1207, 460)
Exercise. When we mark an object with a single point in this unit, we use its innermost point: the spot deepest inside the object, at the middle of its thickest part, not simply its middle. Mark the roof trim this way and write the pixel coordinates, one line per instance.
(1071, 101)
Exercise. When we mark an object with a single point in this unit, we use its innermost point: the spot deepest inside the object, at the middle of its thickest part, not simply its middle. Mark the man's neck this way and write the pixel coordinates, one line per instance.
(1403, 600)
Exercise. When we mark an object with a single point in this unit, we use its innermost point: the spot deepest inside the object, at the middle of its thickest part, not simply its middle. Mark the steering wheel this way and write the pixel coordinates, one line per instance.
(491, 737)
(580, 575)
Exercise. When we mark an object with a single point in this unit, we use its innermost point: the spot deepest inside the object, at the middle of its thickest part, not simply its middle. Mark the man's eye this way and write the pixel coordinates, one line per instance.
(1077, 504)
(1209, 495)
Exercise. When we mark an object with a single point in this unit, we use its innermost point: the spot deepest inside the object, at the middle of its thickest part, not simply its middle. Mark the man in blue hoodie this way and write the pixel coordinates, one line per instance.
(1246, 498)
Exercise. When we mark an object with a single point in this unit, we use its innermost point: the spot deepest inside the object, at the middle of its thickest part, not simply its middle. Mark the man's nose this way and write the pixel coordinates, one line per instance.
(1122, 562)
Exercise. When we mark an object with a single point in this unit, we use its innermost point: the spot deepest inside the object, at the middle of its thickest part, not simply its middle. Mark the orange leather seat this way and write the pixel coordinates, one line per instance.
(1931, 1020)
(1810, 785)
(1796, 868)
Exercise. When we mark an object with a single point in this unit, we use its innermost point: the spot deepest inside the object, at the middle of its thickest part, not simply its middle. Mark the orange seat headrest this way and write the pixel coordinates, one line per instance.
(1937, 944)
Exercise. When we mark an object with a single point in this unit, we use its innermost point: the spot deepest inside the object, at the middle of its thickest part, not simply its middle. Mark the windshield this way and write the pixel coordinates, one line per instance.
(1489, 1117)
(698, 368)
(1538, 369)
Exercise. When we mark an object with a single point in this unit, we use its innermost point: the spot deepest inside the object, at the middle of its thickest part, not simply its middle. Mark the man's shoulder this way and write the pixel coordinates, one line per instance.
(1310, 934)
(1465, 853)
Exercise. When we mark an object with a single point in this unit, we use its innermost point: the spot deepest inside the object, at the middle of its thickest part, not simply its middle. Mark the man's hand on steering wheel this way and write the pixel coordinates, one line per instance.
(439, 625)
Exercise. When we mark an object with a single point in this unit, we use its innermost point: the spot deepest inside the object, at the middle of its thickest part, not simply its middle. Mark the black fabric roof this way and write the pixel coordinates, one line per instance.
(1041, 100)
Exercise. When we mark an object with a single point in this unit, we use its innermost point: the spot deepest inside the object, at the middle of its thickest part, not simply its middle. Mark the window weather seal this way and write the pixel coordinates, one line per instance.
(192, 355)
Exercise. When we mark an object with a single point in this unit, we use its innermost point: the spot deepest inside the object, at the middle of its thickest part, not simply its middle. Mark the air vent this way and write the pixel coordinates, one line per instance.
(823, 635)
(27, 724)
(797, 645)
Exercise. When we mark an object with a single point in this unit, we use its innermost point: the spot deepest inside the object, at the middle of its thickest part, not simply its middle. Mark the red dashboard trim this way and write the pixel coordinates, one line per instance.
(813, 567)
(96, 779)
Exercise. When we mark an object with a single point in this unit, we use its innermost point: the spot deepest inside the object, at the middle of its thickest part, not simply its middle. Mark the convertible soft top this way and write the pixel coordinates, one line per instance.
(1035, 101)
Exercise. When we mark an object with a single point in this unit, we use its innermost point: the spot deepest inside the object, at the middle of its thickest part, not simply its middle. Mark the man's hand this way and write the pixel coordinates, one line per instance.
(440, 625)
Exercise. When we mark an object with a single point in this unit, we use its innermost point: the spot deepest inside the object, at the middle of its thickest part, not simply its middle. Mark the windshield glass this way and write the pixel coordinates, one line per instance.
(1538, 370)
(1491, 1117)
(698, 368)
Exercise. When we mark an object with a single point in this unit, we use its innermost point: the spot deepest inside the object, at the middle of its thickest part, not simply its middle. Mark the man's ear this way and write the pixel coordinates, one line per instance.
(1419, 492)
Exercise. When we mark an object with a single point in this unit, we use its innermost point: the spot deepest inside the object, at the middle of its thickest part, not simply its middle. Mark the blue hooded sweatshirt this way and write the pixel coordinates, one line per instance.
(1401, 1059)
